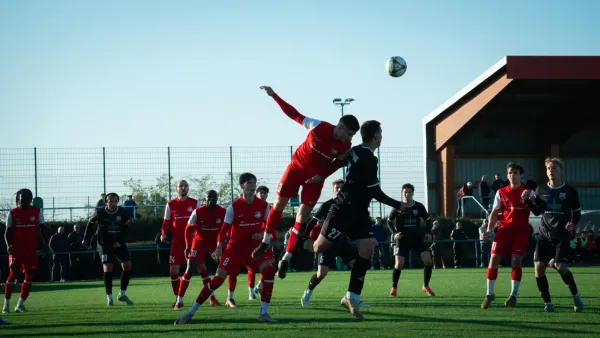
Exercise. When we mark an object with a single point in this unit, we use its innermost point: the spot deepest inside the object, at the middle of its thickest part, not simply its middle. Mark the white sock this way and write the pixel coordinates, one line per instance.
(490, 287)
(515, 287)
(109, 297)
(264, 308)
(287, 256)
(229, 294)
(259, 285)
(20, 302)
(6, 302)
(352, 296)
(267, 238)
(193, 309)
(179, 299)
(122, 293)
(212, 294)
(251, 290)
(308, 292)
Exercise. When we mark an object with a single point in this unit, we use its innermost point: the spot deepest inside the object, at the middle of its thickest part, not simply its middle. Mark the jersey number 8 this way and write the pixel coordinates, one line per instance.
(226, 261)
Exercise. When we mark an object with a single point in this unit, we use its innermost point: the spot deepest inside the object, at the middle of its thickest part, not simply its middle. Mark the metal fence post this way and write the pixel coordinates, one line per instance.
(231, 170)
(35, 169)
(169, 170)
(104, 167)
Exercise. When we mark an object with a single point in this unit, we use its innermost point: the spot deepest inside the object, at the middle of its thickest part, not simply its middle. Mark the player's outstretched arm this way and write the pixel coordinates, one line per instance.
(287, 108)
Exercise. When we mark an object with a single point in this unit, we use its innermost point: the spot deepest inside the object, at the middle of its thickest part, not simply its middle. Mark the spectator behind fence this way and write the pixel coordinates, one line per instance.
(382, 251)
(458, 234)
(77, 260)
(485, 246)
(466, 190)
(101, 204)
(497, 184)
(484, 193)
(60, 246)
(131, 207)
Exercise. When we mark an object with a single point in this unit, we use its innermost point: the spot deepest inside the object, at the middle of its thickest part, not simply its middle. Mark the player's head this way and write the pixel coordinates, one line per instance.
(408, 190)
(182, 187)
(248, 184)
(370, 131)
(377, 220)
(130, 197)
(346, 128)
(211, 197)
(337, 186)
(60, 230)
(24, 198)
(76, 228)
(554, 168)
(111, 200)
(514, 171)
(262, 192)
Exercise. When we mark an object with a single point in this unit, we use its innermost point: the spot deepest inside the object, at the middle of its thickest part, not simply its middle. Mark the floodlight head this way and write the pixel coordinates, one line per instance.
(337, 100)
(348, 100)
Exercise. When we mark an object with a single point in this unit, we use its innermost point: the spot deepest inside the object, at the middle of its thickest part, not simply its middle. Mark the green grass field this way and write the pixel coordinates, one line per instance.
(78, 309)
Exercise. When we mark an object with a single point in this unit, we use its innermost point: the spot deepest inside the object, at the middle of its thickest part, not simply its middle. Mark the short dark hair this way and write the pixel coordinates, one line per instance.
(262, 188)
(516, 166)
(245, 177)
(379, 218)
(26, 197)
(350, 122)
(369, 129)
(338, 181)
(109, 195)
(408, 186)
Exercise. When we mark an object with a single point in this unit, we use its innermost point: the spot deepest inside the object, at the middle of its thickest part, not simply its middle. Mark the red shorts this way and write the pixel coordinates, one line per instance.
(23, 261)
(290, 183)
(508, 242)
(177, 254)
(234, 257)
(200, 249)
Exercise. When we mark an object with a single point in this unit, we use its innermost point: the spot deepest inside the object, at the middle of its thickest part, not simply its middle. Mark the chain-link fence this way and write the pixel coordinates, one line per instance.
(70, 180)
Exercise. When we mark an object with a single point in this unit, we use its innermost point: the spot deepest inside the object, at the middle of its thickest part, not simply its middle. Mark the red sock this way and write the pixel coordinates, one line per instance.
(273, 221)
(26, 286)
(492, 274)
(268, 273)
(10, 284)
(183, 285)
(208, 289)
(175, 283)
(231, 282)
(516, 274)
(251, 279)
(205, 277)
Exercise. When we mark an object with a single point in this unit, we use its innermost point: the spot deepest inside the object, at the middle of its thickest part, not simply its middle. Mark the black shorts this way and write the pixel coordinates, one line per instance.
(345, 222)
(107, 251)
(343, 249)
(546, 249)
(410, 242)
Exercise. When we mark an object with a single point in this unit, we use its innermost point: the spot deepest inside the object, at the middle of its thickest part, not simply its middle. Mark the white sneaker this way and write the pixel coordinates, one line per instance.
(266, 318)
(305, 298)
(251, 296)
(183, 320)
(20, 308)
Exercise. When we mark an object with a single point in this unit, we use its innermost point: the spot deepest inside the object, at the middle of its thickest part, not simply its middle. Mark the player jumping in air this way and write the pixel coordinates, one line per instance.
(177, 214)
(349, 216)
(512, 235)
(245, 219)
(112, 226)
(558, 203)
(201, 240)
(22, 226)
(406, 228)
(319, 156)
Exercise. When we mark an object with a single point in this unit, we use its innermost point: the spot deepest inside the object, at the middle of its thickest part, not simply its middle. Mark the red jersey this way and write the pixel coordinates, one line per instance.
(242, 221)
(515, 213)
(318, 153)
(177, 214)
(24, 223)
(209, 223)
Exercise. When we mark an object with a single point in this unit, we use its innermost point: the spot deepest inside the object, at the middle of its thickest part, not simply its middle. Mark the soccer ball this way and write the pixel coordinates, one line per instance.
(395, 66)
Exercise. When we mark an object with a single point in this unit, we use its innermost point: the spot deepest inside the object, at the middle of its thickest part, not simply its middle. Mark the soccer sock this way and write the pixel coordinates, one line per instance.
(205, 277)
(251, 280)
(208, 289)
(294, 237)
(542, 283)
(269, 279)
(427, 270)
(108, 282)
(396, 277)
(175, 283)
(570, 281)
(357, 275)
(125, 276)
(183, 285)
(492, 275)
(264, 308)
(515, 278)
(314, 281)
(10, 285)
(231, 283)
(122, 293)
(26, 286)
(272, 222)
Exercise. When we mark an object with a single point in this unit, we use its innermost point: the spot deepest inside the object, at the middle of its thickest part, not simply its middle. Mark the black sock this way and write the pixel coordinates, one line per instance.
(108, 282)
(314, 281)
(570, 281)
(125, 276)
(542, 283)
(357, 275)
(427, 274)
(395, 277)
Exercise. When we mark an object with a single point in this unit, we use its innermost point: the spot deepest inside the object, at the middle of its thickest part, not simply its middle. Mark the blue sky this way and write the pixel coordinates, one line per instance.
(186, 73)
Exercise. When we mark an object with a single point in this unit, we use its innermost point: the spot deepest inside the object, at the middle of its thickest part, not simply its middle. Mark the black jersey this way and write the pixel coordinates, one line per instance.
(558, 206)
(409, 221)
(111, 226)
(323, 210)
(362, 182)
